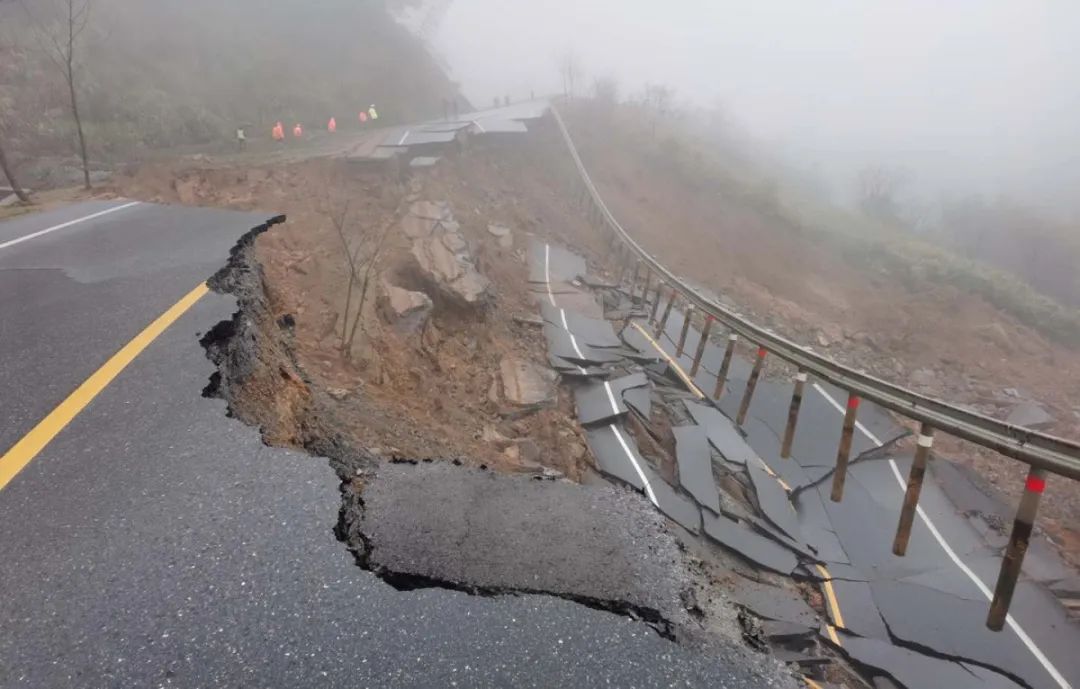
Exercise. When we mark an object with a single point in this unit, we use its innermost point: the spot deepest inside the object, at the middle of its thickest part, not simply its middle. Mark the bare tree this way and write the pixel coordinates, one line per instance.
(570, 72)
(877, 189)
(19, 192)
(60, 39)
(657, 99)
(606, 91)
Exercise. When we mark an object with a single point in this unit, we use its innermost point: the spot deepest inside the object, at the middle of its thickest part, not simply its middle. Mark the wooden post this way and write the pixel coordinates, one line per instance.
(701, 346)
(645, 289)
(633, 281)
(844, 452)
(667, 312)
(725, 366)
(685, 329)
(914, 487)
(793, 414)
(751, 385)
(656, 301)
(1018, 545)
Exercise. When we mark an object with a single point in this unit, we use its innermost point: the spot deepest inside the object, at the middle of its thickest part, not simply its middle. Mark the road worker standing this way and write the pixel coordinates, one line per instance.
(278, 132)
(241, 138)
(331, 126)
(372, 113)
(363, 117)
(298, 131)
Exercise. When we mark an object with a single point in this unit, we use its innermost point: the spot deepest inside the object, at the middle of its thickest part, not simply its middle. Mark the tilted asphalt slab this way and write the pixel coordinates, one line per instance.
(156, 542)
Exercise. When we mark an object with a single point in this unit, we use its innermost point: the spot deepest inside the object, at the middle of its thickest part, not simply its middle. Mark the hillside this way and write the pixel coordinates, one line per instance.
(163, 75)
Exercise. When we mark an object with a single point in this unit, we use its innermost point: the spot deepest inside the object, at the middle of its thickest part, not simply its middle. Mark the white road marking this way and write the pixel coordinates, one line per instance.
(1020, 633)
(404, 136)
(611, 398)
(551, 298)
(637, 467)
(479, 126)
(54, 228)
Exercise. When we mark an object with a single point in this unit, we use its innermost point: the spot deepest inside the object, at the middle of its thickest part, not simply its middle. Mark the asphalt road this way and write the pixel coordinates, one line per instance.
(156, 542)
(937, 596)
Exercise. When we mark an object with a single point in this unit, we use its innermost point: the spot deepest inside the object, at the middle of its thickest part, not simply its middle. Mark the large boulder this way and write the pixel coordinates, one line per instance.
(444, 261)
(407, 311)
(525, 384)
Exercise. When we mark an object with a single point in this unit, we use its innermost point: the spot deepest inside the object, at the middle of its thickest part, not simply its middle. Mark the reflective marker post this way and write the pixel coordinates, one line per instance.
(645, 288)
(914, 487)
(842, 454)
(793, 414)
(685, 329)
(667, 312)
(701, 346)
(751, 384)
(725, 366)
(1018, 545)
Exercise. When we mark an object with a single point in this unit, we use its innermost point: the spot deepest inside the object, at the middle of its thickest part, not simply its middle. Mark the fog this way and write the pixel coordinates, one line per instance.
(965, 96)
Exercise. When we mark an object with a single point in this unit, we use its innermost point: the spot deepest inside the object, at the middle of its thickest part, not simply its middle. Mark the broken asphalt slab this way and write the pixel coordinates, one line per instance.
(603, 400)
(695, 466)
(595, 332)
(722, 433)
(550, 263)
(752, 546)
(440, 525)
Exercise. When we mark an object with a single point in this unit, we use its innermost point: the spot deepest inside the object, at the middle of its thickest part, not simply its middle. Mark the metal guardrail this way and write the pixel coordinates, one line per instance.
(1041, 451)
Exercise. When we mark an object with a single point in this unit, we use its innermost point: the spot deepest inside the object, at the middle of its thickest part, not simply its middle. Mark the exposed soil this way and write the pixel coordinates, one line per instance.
(931, 337)
(427, 394)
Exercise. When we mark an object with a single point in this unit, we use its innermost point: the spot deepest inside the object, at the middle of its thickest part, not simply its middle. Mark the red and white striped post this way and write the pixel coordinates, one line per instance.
(914, 487)
(751, 385)
(1011, 564)
(793, 414)
(842, 454)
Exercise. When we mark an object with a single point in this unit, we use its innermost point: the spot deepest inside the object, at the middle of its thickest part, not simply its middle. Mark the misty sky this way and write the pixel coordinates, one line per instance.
(967, 95)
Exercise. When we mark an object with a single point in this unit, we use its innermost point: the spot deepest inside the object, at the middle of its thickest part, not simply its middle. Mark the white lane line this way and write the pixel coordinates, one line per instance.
(551, 298)
(1020, 633)
(69, 223)
(403, 137)
(611, 398)
(637, 467)
(480, 127)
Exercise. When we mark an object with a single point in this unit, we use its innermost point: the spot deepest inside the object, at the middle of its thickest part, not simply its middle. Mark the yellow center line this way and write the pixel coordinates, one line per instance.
(834, 604)
(674, 364)
(28, 447)
(811, 683)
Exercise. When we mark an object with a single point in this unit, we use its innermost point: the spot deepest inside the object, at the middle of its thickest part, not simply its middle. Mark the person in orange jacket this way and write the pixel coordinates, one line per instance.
(331, 126)
(298, 131)
(278, 132)
(363, 117)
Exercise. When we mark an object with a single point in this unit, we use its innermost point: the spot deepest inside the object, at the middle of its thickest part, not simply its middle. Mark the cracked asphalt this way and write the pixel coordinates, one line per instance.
(156, 542)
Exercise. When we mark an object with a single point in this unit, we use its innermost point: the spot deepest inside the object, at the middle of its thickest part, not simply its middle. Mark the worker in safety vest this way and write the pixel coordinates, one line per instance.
(241, 137)
(297, 131)
(278, 132)
(363, 117)
(331, 126)
(372, 113)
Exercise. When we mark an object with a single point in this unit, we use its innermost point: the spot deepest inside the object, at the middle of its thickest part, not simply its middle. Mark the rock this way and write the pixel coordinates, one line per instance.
(443, 259)
(338, 393)
(1030, 415)
(995, 332)
(404, 309)
(923, 377)
(526, 384)
(502, 233)
(418, 228)
(431, 210)
(512, 453)
(528, 450)
(829, 334)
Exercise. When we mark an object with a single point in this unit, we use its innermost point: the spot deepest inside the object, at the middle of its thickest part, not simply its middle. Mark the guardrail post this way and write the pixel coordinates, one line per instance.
(914, 487)
(1018, 545)
(793, 414)
(842, 454)
(622, 271)
(667, 312)
(633, 281)
(685, 329)
(725, 365)
(656, 301)
(751, 385)
(701, 346)
(645, 288)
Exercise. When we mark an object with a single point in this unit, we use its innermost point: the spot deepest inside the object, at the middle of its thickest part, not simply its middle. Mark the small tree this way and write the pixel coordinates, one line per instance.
(570, 72)
(606, 91)
(59, 39)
